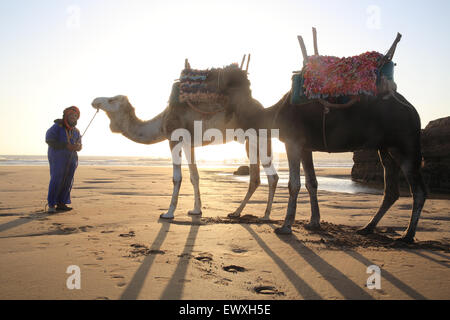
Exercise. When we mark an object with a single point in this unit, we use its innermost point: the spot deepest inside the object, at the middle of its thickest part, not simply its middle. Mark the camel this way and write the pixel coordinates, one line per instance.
(384, 122)
(389, 124)
(241, 112)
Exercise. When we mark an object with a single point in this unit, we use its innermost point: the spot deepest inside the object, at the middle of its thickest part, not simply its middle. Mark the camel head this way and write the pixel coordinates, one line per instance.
(118, 110)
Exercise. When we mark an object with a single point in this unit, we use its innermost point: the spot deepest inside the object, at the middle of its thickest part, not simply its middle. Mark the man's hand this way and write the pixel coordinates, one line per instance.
(74, 147)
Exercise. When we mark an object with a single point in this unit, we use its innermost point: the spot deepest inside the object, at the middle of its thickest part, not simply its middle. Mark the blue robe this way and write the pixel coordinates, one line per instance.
(63, 163)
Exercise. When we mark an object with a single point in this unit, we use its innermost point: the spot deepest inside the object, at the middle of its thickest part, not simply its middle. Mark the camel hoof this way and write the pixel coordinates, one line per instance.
(234, 215)
(265, 218)
(167, 216)
(313, 226)
(364, 231)
(283, 230)
(195, 213)
(405, 239)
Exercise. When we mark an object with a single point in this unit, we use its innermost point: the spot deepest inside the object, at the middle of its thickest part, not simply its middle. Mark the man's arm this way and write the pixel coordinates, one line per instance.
(57, 144)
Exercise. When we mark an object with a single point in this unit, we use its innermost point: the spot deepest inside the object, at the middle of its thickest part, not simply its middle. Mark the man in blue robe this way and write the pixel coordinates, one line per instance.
(64, 140)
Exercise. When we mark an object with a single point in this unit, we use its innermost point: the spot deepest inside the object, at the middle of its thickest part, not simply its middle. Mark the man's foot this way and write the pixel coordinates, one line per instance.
(63, 207)
(51, 209)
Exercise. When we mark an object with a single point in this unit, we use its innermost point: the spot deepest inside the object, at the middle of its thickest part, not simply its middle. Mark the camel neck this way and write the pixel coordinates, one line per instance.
(145, 132)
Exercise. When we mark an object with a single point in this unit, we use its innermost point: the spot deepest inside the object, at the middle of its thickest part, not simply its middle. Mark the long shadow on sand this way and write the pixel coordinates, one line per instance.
(388, 276)
(23, 220)
(441, 262)
(135, 286)
(174, 289)
(300, 285)
(339, 280)
(344, 285)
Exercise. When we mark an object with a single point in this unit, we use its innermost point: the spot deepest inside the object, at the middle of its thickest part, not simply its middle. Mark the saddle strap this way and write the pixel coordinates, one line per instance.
(330, 105)
(204, 112)
(326, 109)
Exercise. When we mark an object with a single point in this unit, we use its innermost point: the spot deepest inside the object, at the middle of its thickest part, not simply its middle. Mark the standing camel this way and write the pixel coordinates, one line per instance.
(386, 123)
(241, 112)
(390, 125)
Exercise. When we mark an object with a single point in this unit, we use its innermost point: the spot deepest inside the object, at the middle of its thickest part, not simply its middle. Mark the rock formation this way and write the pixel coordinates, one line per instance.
(242, 171)
(436, 154)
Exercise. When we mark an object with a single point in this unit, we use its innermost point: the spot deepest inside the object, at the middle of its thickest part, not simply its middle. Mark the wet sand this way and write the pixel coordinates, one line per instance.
(125, 251)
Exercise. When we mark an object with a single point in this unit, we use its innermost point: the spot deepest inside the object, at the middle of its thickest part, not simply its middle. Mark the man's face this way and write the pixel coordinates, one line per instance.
(72, 119)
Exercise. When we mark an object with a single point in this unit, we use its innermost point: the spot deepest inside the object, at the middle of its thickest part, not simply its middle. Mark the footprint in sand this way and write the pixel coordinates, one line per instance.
(204, 257)
(239, 250)
(268, 290)
(224, 281)
(185, 255)
(234, 269)
(85, 228)
(130, 234)
(142, 250)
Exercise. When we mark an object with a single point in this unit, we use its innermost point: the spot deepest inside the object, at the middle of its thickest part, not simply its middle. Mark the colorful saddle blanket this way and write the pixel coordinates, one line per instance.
(193, 87)
(326, 77)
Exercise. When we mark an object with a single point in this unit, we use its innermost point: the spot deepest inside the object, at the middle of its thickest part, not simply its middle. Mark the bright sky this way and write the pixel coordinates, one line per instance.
(58, 53)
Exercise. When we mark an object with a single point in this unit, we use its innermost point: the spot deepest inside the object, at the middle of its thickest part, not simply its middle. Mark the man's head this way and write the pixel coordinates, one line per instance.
(71, 116)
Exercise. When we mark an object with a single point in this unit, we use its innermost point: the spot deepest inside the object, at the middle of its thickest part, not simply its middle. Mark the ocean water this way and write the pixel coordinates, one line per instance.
(332, 184)
(8, 160)
(19, 160)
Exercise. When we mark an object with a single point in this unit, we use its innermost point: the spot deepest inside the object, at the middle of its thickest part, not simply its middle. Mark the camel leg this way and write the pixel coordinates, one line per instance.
(293, 152)
(195, 179)
(391, 190)
(272, 176)
(272, 179)
(253, 185)
(177, 178)
(311, 186)
(411, 169)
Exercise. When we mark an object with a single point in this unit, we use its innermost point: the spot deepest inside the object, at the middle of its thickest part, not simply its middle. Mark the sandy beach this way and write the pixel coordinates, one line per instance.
(124, 251)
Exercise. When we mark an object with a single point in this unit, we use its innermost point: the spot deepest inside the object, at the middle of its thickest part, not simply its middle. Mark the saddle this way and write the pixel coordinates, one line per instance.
(200, 95)
(335, 80)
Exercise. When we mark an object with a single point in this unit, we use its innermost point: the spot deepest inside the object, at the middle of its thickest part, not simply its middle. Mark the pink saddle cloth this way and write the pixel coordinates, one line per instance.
(326, 76)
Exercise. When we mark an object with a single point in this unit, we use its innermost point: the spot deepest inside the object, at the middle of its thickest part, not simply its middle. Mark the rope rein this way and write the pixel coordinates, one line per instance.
(90, 123)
